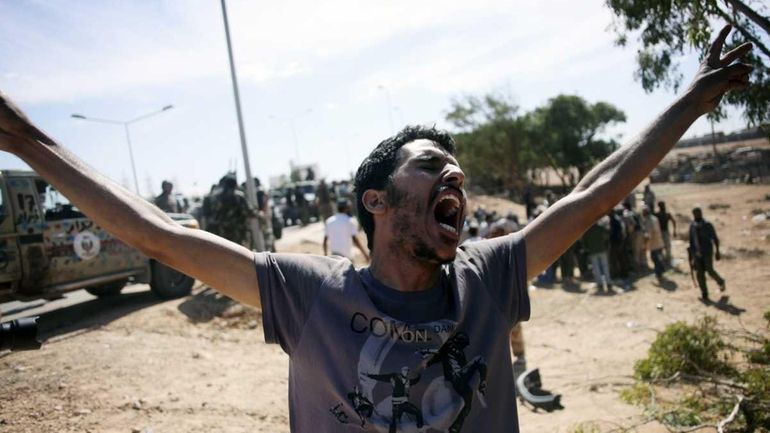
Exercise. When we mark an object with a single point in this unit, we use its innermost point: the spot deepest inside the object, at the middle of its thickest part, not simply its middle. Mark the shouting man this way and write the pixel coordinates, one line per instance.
(341, 326)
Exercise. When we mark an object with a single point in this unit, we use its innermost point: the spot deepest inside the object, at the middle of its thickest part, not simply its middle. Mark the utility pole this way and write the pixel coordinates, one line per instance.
(251, 190)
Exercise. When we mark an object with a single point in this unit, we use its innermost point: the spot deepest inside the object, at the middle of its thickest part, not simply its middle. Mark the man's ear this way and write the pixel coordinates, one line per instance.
(374, 201)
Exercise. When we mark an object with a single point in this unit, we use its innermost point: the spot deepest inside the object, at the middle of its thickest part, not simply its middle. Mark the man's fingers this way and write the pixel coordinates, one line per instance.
(738, 69)
(715, 52)
(737, 53)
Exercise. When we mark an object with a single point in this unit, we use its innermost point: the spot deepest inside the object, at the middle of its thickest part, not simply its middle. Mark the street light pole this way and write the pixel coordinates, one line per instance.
(251, 189)
(125, 124)
(131, 156)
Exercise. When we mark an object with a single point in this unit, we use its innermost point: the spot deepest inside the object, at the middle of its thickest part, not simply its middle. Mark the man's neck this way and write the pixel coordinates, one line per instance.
(403, 273)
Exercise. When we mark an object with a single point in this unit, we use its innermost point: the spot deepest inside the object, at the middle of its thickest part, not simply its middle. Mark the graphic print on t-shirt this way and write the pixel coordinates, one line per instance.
(433, 392)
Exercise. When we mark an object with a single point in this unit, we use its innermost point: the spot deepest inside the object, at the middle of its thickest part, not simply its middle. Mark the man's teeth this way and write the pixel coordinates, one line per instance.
(451, 197)
(448, 227)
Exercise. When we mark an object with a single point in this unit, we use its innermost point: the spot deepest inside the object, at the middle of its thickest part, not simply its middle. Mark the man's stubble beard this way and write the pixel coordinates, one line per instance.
(409, 211)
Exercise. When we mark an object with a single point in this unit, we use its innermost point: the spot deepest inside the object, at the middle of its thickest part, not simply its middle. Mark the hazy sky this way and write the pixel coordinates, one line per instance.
(340, 71)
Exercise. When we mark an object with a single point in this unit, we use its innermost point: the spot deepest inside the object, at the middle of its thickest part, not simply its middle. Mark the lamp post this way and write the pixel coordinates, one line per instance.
(125, 124)
(291, 120)
(251, 188)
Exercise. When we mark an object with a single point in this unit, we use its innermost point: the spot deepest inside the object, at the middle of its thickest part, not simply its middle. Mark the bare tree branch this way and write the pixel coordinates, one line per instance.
(694, 428)
(750, 14)
(731, 418)
(746, 34)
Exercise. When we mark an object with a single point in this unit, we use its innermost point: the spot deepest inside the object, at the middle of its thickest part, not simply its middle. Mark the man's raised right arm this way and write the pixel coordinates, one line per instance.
(219, 263)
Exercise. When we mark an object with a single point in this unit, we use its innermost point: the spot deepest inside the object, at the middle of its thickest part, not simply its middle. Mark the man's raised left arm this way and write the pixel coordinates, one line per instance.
(549, 235)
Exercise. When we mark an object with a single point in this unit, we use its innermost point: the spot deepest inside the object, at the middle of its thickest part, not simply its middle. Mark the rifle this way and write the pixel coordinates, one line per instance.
(691, 262)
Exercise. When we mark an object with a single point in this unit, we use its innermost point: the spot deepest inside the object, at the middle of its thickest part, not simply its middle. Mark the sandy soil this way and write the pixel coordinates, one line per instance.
(199, 364)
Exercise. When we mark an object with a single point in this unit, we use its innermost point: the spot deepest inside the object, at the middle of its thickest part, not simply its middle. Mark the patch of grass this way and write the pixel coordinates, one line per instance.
(682, 418)
(684, 348)
(694, 402)
(585, 427)
(702, 377)
(761, 355)
(637, 394)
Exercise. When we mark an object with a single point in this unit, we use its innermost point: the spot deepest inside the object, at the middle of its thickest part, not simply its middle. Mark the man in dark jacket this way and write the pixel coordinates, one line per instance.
(702, 236)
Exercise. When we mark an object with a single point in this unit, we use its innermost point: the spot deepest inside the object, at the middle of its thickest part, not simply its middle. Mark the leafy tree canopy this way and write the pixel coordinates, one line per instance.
(499, 148)
(667, 28)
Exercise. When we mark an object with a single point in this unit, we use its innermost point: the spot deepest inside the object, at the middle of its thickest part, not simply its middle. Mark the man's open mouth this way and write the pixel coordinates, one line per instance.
(448, 210)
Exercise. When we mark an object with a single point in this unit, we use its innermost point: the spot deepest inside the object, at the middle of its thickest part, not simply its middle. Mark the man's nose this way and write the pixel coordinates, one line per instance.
(454, 175)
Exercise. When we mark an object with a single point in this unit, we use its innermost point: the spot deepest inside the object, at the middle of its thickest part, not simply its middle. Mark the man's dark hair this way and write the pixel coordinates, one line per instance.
(228, 181)
(343, 205)
(697, 211)
(376, 171)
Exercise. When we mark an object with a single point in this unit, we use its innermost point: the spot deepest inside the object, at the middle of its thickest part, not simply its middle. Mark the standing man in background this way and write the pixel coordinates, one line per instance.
(654, 240)
(166, 201)
(596, 241)
(341, 230)
(664, 217)
(649, 198)
(231, 212)
(702, 236)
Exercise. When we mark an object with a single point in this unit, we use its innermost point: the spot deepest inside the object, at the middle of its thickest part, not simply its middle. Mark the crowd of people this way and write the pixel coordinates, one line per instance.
(615, 251)
(631, 241)
(225, 210)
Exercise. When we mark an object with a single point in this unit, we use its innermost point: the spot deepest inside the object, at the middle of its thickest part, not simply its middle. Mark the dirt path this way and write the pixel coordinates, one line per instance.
(200, 364)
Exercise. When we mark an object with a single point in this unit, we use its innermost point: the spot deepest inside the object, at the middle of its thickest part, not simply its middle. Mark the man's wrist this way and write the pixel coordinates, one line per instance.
(22, 147)
(691, 101)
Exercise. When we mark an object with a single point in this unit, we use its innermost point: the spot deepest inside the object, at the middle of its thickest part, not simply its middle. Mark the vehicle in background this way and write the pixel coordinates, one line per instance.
(48, 247)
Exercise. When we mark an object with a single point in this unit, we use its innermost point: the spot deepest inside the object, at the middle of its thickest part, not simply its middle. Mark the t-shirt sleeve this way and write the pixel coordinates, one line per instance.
(289, 285)
(502, 266)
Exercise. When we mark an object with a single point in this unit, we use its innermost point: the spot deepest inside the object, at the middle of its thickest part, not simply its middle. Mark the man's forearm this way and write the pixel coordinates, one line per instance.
(113, 207)
(605, 186)
(611, 180)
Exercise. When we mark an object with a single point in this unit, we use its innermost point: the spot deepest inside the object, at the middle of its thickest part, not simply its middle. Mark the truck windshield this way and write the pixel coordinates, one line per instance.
(55, 205)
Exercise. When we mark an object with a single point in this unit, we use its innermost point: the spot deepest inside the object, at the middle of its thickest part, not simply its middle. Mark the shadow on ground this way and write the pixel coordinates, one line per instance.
(92, 314)
(724, 304)
(205, 305)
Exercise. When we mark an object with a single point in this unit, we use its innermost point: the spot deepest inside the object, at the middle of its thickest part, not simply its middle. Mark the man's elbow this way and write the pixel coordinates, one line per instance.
(161, 241)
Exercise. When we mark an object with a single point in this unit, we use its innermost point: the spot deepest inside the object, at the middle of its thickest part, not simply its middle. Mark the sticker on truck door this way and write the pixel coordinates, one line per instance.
(86, 245)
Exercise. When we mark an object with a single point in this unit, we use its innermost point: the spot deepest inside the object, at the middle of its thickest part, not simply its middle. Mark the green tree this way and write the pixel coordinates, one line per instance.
(666, 28)
(566, 129)
(499, 148)
(492, 144)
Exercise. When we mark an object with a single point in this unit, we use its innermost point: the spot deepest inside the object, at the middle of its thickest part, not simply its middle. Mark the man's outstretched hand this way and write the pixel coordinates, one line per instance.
(15, 127)
(719, 74)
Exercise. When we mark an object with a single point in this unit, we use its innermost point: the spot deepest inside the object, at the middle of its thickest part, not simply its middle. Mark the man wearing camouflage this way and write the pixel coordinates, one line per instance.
(229, 212)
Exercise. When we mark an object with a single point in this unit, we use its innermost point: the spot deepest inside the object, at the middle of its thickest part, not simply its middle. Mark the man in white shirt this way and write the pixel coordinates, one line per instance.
(341, 230)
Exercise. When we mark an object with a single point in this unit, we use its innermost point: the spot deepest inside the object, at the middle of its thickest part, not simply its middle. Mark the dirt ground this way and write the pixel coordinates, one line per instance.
(199, 364)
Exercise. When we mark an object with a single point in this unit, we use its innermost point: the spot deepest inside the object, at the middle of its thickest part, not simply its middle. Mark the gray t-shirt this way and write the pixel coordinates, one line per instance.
(355, 367)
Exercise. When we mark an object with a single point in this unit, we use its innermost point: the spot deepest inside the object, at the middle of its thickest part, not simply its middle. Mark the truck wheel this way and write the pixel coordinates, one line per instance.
(169, 283)
(109, 289)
